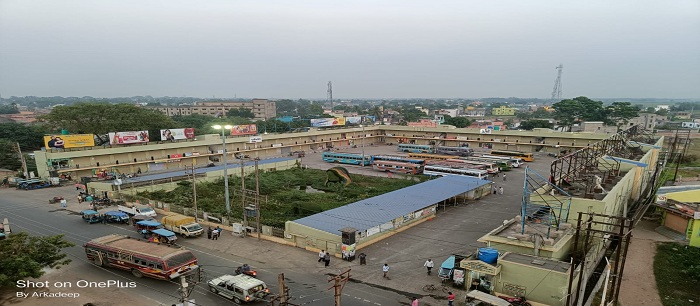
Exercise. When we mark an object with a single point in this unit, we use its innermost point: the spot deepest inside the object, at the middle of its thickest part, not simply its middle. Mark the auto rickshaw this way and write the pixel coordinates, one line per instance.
(91, 216)
(445, 272)
(147, 227)
(117, 217)
(165, 236)
(135, 219)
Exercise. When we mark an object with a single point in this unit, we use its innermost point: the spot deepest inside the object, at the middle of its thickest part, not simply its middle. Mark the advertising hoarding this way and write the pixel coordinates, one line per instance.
(245, 129)
(254, 139)
(176, 134)
(128, 137)
(353, 120)
(69, 141)
(328, 122)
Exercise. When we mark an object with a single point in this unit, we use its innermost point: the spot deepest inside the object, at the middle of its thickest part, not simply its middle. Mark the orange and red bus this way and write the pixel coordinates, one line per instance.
(139, 256)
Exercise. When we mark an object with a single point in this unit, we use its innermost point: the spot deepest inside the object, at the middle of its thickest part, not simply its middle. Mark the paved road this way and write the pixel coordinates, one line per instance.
(308, 281)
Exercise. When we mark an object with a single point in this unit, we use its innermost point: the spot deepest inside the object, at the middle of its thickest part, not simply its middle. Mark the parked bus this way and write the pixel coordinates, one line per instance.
(458, 151)
(491, 167)
(503, 165)
(514, 161)
(442, 171)
(141, 257)
(413, 148)
(430, 156)
(398, 158)
(347, 158)
(453, 164)
(397, 167)
(519, 154)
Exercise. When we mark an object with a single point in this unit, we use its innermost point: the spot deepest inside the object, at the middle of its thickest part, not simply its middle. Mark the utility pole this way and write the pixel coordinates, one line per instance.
(24, 162)
(338, 284)
(188, 281)
(245, 217)
(194, 190)
(257, 197)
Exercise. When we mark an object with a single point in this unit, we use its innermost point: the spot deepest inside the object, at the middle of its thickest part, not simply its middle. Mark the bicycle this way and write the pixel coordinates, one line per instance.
(433, 288)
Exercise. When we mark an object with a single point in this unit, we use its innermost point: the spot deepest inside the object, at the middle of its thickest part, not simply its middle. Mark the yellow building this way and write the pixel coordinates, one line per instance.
(503, 111)
(681, 214)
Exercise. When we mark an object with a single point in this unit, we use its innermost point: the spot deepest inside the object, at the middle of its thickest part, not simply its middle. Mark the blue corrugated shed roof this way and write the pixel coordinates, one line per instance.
(381, 209)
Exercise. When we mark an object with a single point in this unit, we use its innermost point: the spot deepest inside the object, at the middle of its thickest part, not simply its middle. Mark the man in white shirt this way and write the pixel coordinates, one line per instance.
(385, 269)
(429, 264)
(321, 255)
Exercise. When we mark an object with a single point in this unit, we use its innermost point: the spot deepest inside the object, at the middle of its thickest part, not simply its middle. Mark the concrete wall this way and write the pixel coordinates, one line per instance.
(541, 286)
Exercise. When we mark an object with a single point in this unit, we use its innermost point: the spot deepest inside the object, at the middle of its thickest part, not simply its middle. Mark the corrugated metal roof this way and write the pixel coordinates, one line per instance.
(381, 209)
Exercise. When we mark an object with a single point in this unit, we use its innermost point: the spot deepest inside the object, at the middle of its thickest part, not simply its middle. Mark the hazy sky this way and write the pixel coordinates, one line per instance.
(373, 49)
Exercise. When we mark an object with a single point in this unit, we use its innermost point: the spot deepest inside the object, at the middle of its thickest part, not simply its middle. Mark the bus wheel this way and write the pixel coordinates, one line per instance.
(98, 261)
(136, 273)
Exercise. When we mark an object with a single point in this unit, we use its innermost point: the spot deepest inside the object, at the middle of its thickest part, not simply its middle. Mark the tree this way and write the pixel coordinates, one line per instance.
(8, 156)
(200, 123)
(662, 112)
(532, 124)
(9, 109)
(240, 112)
(579, 109)
(25, 256)
(102, 118)
(29, 137)
(619, 113)
(411, 114)
(459, 122)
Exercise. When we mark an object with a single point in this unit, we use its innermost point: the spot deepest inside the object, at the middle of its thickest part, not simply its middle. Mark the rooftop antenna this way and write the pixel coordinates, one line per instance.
(556, 92)
(330, 94)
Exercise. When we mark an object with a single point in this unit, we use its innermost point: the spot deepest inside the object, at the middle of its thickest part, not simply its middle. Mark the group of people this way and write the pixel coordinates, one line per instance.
(325, 257)
(498, 190)
(214, 233)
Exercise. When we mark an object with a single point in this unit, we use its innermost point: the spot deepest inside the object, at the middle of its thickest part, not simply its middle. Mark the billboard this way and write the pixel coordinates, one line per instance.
(176, 134)
(245, 129)
(353, 120)
(128, 137)
(69, 141)
(328, 122)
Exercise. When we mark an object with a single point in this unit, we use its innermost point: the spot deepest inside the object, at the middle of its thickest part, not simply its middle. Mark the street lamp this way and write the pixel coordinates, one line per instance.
(363, 144)
(223, 141)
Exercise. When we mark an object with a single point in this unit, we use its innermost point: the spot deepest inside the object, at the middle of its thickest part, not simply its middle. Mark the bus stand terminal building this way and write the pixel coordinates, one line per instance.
(164, 156)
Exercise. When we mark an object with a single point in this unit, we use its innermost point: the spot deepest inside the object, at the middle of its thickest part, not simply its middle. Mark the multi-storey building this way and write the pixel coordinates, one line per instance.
(262, 108)
(503, 111)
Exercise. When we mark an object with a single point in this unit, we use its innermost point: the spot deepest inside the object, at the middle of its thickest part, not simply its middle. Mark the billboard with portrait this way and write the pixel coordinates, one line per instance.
(328, 122)
(244, 129)
(69, 141)
(353, 120)
(176, 134)
(128, 137)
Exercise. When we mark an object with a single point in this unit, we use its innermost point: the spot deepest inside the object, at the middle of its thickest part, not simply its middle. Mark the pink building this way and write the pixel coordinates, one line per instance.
(423, 123)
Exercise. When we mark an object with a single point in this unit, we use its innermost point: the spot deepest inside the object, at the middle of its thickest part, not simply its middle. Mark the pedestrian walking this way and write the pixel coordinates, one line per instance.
(385, 269)
(327, 259)
(450, 298)
(504, 177)
(64, 203)
(363, 259)
(429, 264)
(415, 302)
(321, 255)
(215, 234)
(494, 189)
(500, 190)
(209, 232)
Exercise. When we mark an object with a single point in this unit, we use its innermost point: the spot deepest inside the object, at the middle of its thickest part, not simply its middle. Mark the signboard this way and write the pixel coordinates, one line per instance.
(328, 122)
(176, 134)
(696, 215)
(353, 120)
(246, 129)
(128, 137)
(69, 141)
(254, 139)
(661, 199)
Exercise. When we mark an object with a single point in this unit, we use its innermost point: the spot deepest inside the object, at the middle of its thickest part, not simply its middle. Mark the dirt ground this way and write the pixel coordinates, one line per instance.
(638, 283)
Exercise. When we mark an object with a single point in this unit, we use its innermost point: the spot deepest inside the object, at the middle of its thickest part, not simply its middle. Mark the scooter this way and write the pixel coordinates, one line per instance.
(55, 200)
(249, 272)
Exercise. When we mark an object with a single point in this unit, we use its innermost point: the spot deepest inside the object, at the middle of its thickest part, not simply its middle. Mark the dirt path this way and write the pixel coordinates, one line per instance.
(638, 284)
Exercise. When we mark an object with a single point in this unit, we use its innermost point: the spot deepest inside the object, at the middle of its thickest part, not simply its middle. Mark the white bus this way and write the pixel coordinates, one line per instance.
(492, 168)
(514, 161)
(442, 171)
(459, 151)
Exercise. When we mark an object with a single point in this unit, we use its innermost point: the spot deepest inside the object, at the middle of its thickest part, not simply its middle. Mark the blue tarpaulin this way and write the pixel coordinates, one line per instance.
(148, 223)
(163, 232)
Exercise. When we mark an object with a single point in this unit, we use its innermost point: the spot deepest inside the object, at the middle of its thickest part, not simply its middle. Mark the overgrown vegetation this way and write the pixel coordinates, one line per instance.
(286, 192)
(677, 272)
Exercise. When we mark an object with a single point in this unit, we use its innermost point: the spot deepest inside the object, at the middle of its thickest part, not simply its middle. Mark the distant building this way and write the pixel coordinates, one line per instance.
(660, 107)
(503, 111)
(487, 124)
(423, 123)
(475, 112)
(262, 108)
(450, 112)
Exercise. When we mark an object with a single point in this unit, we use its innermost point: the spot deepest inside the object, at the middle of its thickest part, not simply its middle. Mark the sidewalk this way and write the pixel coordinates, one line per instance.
(638, 284)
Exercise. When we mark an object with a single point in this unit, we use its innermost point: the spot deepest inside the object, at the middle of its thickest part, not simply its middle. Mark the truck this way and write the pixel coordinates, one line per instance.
(137, 210)
(183, 225)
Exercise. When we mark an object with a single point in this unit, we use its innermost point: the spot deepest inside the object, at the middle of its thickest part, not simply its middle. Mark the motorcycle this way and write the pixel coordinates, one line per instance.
(250, 272)
(515, 301)
(55, 200)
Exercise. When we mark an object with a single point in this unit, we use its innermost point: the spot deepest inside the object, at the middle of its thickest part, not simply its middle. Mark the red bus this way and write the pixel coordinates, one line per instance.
(141, 257)
(397, 167)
